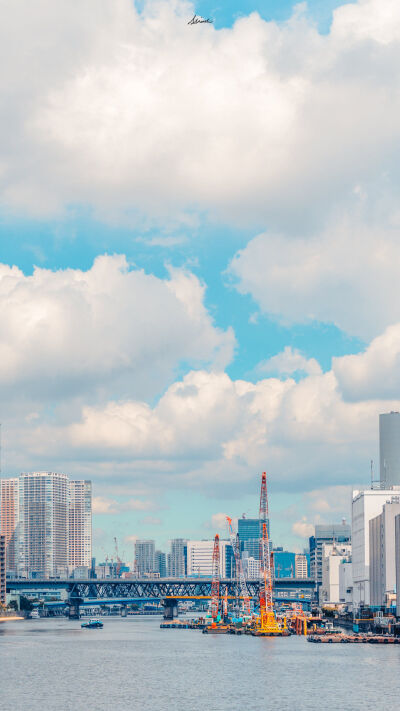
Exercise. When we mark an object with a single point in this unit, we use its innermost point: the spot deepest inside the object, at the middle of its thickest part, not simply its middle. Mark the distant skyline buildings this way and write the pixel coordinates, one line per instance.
(389, 449)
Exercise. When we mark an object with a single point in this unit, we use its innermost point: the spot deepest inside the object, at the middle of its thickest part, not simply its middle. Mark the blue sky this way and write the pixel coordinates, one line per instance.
(251, 321)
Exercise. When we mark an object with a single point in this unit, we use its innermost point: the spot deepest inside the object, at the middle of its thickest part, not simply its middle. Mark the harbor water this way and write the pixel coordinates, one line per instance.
(131, 664)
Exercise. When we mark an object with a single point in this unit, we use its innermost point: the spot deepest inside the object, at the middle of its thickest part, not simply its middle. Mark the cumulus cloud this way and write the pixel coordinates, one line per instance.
(112, 327)
(290, 361)
(150, 116)
(374, 373)
(302, 528)
(103, 505)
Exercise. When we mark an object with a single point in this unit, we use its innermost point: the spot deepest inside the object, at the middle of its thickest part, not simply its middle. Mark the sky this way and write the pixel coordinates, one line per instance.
(199, 232)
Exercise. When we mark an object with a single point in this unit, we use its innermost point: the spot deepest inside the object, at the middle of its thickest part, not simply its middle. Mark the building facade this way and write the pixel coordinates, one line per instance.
(80, 524)
(325, 533)
(160, 561)
(389, 449)
(2, 569)
(145, 557)
(397, 563)
(333, 554)
(43, 524)
(178, 564)
(382, 568)
(366, 505)
(300, 565)
(9, 512)
(249, 532)
(199, 558)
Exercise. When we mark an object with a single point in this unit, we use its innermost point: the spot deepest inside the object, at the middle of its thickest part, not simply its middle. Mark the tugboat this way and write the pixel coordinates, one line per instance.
(92, 624)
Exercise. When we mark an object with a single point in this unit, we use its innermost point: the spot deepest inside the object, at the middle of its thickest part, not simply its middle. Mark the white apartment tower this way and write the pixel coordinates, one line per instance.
(79, 524)
(43, 524)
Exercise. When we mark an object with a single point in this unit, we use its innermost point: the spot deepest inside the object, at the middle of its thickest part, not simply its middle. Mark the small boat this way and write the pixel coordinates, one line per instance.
(92, 624)
(35, 614)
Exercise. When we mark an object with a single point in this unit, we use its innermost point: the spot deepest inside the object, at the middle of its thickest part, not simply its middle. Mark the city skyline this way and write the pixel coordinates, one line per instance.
(185, 310)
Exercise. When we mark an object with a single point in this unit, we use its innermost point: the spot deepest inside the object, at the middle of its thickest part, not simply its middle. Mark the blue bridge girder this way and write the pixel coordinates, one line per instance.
(159, 588)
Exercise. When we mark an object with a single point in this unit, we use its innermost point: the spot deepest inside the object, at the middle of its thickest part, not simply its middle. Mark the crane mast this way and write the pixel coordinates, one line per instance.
(244, 594)
(215, 580)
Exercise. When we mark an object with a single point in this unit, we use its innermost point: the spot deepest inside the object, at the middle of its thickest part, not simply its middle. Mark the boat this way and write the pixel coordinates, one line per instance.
(35, 614)
(92, 624)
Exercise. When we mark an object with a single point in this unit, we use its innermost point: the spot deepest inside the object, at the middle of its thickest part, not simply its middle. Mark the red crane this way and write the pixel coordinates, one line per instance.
(215, 579)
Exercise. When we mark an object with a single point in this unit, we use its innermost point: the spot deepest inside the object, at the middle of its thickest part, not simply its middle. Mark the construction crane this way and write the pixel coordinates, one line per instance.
(244, 595)
(267, 624)
(215, 580)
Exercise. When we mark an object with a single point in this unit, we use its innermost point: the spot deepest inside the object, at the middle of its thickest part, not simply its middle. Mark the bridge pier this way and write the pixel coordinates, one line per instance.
(170, 608)
(73, 608)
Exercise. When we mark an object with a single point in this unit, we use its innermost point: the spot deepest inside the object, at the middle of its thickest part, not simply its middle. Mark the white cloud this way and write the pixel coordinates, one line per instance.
(373, 374)
(103, 505)
(290, 361)
(109, 329)
(346, 274)
(138, 112)
(302, 528)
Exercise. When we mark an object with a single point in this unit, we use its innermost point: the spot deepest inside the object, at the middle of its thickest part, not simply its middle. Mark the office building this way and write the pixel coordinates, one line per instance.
(2, 569)
(80, 524)
(284, 563)
(333, 554)
(366, 505)
(325, 533)
(397, 561)
(249, 535)
(389, 449)
(43, 524)
(9, 520)
(300, 566)
(382, 559)
(178, 558)
(160, 564)
(145, 558)
(199, 558)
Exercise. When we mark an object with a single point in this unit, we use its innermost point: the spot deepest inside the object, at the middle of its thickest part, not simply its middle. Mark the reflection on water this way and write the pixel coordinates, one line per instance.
(133, 665)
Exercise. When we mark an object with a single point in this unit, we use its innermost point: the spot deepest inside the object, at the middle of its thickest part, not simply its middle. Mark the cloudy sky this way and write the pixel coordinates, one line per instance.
(200, 255)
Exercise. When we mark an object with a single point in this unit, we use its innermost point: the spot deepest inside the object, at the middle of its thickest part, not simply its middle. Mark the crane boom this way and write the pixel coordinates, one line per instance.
(215, 579)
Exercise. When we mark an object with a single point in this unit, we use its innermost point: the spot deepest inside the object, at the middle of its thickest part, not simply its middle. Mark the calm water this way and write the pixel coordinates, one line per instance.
(132, 664)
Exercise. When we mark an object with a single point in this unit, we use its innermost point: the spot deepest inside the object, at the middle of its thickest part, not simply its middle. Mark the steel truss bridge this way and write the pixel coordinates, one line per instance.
(169, 590)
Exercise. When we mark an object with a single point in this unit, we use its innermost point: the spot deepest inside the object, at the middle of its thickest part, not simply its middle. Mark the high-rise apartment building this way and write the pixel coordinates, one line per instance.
(382, 559)
(325, 533)
(43, 524)
(178, 558)
(397, 561)
(389, 449)
(145, 557)
(9, 519)
(80, 524)
(2, 569)
(367, 504)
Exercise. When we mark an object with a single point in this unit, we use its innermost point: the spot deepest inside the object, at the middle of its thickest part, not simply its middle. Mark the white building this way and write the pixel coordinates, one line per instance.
(332, 556)
(80, 524)
(366, 504)
(397, 556)
(199, 558)
(389, 449)
(382, 567)
(300, 565)
(177, 559)
(145, 557)
(346, 582)
(251, 566)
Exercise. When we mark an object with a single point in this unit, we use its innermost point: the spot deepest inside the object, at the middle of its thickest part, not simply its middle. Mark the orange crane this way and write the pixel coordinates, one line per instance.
(215, 580)
(267, 623)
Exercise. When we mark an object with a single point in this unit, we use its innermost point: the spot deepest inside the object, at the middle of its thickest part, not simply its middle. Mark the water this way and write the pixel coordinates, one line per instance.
(132, 664)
